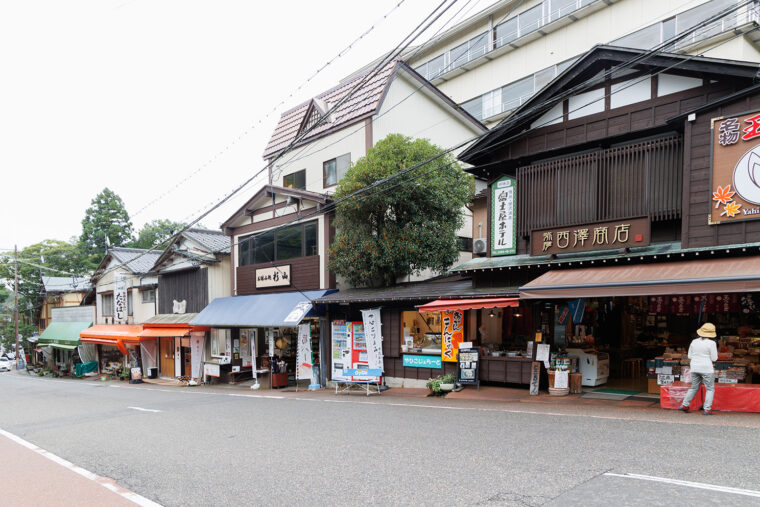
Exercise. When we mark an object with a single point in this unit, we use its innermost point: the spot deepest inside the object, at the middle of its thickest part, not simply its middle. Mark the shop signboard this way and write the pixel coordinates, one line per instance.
(211, 370)
(590, 237)
(374, 338)
(452, 334)
(504, 216)
(664, 379)
(415, 361)
(304, 359)
(467, 366)
(120, 303)
(277, 276)
(735, 175)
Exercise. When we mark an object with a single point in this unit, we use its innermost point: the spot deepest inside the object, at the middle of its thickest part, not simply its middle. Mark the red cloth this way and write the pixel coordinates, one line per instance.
(728, 397)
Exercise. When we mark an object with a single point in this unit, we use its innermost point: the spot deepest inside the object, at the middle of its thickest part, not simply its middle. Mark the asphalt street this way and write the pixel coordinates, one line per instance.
(185, 446)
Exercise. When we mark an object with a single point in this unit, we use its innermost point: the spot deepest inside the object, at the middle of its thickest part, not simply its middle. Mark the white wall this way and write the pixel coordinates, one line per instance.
(219, 284)
(140, 311)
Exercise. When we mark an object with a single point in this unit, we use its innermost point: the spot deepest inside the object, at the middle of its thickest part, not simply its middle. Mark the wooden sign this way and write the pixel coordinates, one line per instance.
(504, 216)
(535, 376)
(590, 237)
(278, 276)
(735, 176)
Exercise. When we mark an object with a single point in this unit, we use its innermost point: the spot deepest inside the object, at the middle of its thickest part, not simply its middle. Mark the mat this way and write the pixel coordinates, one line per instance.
(616, 391)
(594, 395)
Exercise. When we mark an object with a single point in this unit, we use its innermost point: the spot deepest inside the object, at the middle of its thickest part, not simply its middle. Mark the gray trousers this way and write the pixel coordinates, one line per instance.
(708, 379)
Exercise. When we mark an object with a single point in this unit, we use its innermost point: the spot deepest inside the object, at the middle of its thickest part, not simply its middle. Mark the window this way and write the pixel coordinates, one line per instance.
(474, 107)
(295, 180)
(129, 302)
(436, 66)
(220, 339)
(559, 8)
(491, 103)
(465, 244)
(530, 20)
(106, 305)
(333, 170)
(288, 243)
(506, 32)
(516, 93)
(148, 296)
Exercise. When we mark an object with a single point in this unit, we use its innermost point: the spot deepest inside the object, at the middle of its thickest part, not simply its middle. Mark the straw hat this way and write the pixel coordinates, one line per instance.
(707, 330)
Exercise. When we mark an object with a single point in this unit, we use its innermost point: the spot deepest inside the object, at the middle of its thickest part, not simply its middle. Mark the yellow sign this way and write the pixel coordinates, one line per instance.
(452, 332)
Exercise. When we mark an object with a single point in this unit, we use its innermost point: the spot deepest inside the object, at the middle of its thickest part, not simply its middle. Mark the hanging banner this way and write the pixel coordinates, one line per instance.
(504, 216)
(577, 309)
(374, 338)
(452, 332)
(304, 359)
(120, 307)
(196, 351)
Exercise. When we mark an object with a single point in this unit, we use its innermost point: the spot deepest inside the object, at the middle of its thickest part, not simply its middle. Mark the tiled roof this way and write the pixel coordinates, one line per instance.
(66, 284)
(171, 318)
(135, 259)
(214, 241)
(364, 101)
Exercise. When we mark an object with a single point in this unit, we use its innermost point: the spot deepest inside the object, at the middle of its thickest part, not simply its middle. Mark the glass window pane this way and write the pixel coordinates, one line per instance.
(310, 240)
(422, 69)
(263, 248)
(506, 32)
(435, 67)
(343, 163)
(641, 39)
(561, 8)
(530, 20)
(668, 29)
(474, 107)
(458, 56)
(516, 93)
(479, 45)
(330, 174)
(243, 250)
(290, 243)
(295, 180)
(491, 103)
(544, 77)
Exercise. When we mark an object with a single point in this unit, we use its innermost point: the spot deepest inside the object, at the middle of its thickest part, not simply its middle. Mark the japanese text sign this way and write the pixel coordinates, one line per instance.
(120, 302)
(735, 178)
(374, 338)
(278, 276)
(452, 334)
(600, 236)
(304, 359)
(504, 216)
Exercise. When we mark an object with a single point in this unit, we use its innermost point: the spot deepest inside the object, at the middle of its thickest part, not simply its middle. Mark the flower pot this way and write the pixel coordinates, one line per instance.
(447, 387)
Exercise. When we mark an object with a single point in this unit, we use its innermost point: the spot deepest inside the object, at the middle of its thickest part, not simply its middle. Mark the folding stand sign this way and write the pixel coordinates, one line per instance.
(467, 367)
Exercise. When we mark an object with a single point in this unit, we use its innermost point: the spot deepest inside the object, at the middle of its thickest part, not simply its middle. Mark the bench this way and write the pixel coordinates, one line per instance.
(371, 378)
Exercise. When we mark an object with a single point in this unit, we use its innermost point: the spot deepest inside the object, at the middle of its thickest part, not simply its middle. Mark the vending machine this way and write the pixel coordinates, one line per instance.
(341, 349)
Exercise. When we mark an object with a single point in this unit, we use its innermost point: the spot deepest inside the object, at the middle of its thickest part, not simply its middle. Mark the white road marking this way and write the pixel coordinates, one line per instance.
(689, 484)
(144, 409)
(103, 481)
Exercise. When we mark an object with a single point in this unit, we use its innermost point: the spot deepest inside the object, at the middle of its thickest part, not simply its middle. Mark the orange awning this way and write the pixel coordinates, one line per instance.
(164, 332)
(468, 304)
(116, 335)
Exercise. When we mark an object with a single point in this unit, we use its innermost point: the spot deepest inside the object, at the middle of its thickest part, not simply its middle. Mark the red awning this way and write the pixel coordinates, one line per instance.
(468, 304)
(115, 334)
(164, 332)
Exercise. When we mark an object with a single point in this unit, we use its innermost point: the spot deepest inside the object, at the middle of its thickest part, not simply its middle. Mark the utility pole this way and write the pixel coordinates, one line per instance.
(15, 293)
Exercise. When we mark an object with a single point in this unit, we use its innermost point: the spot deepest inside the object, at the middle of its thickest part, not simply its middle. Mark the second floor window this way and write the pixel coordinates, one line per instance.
(279, 245)
(334, 169)
(148, 296)
(106, 302)
(295, 180)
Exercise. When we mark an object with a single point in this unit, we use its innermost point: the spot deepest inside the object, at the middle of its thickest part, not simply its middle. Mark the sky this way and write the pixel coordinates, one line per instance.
(169, 103)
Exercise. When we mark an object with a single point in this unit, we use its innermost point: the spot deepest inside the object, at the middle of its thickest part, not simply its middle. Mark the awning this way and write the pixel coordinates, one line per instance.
(62, 335)
(164, 332)
(468, 304)
(116, 335)
(684, 277)
(281, 309)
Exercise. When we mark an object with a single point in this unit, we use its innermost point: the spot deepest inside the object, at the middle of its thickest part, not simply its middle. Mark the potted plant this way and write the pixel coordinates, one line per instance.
(434, 385)
(447, 382)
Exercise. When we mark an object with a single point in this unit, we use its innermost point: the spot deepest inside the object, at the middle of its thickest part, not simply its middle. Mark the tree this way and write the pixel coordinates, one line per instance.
(155, 232)
(106, 222)
(405, 225)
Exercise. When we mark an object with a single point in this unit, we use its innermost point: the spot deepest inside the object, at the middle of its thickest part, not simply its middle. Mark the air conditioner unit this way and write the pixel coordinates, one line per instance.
(479, 245)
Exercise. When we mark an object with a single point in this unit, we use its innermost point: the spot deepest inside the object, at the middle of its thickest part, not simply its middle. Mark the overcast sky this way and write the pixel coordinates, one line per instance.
(137, 95)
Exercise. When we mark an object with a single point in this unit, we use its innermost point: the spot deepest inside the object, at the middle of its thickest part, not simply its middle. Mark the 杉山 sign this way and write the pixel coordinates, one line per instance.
(599, 236)
(504, 216)
(278, 276)
(735, 182)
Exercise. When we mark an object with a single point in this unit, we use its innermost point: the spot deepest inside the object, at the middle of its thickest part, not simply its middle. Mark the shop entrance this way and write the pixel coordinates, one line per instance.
(186, 356)
(167, 357)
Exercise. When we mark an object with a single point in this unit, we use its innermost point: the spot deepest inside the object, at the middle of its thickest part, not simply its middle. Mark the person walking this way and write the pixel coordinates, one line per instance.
(703, 353)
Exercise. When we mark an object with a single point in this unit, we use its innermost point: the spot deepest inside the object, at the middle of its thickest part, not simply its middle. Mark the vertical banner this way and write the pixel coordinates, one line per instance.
(304, 360)
(374, 337)
(452, 334)
(196, 351)
(120, 309)
(504, 216)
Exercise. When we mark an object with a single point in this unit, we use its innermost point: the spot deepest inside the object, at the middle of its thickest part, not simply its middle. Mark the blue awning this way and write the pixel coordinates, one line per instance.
(281, 309)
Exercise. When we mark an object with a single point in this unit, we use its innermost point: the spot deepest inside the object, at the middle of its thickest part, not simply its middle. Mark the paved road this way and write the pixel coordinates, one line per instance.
(184, 446)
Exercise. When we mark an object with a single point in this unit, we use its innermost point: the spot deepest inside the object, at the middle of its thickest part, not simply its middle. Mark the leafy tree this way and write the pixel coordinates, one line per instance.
(405, 225)
(156, 231)
(106, 222)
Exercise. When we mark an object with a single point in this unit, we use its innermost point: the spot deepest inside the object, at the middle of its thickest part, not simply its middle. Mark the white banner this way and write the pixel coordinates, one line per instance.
(373, 337)
(148, 355)
(120, 308)
(196, 353)
(304, 359)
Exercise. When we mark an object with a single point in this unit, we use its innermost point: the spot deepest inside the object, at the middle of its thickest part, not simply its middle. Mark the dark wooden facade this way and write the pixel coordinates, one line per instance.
(190, 285)
(304, 272)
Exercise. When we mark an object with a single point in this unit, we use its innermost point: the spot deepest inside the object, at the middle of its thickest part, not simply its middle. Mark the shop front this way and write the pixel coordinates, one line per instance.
(59, 342)
(117, 348)
(171, 348)
(270, 339)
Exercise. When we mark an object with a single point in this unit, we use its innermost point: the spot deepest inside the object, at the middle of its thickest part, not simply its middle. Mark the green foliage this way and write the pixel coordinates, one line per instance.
(449, 378)
(156, 231)
(406, 225)
(105, 218)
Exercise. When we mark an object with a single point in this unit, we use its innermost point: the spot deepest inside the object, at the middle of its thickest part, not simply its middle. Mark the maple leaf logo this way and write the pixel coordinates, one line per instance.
(731, 209)
(723, 195)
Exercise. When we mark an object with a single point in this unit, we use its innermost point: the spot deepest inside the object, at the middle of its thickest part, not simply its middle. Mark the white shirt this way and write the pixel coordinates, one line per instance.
(703, 352)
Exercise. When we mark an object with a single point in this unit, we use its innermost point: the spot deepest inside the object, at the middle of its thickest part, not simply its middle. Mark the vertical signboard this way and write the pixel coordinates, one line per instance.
(196, 351)
(304, 360)
(504, 216)
(120, 306)
(452, 334)
(374, 338)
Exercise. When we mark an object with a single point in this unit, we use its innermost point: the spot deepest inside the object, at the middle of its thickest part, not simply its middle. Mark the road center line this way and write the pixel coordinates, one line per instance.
(144, 409)
(689, 484)
(103, 481)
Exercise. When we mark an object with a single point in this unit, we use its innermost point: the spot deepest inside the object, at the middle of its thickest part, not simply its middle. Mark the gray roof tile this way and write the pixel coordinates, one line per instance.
(66, 283)
(139, 261)
(215, 241)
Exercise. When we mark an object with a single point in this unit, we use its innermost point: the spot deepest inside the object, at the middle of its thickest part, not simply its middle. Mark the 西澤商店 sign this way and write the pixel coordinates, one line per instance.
(504, 216)
(735, 177)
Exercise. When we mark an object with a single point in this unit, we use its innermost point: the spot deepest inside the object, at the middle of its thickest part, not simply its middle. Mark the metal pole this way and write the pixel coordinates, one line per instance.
(15, 294)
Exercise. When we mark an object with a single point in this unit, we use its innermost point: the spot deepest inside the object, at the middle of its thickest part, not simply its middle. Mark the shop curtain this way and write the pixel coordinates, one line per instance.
(87, 352)
(148, 354)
